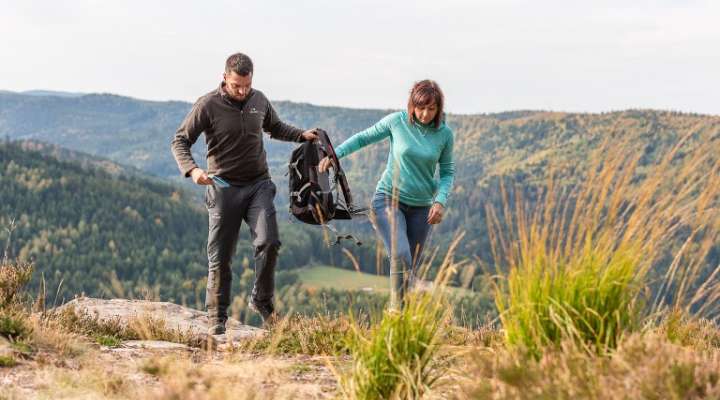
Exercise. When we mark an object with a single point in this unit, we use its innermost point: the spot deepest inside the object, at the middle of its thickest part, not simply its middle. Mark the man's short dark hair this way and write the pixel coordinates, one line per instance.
(239, 63)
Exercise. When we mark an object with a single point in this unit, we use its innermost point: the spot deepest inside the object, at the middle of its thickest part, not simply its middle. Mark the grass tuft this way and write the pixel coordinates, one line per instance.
(580, 262)
(297, 334)
(108, 340)
(14, 324)
(145, 327)
(398, 357)
(14, 275)
(7, 361)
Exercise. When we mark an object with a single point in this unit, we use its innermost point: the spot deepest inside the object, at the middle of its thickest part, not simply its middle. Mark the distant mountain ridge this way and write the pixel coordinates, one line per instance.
(138, 132)
(52, 93)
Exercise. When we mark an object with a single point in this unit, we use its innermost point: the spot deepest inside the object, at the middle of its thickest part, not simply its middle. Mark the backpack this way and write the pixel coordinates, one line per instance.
(312, 200)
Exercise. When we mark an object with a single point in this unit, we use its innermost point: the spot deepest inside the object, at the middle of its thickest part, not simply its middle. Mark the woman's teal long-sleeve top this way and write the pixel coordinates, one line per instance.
(415, 152)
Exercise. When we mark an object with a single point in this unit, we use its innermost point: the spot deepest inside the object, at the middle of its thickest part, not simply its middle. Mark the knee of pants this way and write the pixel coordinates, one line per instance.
(218, 260)
(403, 257)
(219, 267)
(269, 246)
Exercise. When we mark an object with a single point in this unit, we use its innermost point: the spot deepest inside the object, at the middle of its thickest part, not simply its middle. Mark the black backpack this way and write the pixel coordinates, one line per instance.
(315, 198)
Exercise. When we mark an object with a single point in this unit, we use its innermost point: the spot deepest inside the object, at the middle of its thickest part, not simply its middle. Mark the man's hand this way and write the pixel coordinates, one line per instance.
(324, 164)
(309, 135)
(200, 177)
(436, 214)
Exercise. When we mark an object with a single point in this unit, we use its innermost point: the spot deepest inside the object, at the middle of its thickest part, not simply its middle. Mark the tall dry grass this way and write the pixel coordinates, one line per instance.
(582, 262)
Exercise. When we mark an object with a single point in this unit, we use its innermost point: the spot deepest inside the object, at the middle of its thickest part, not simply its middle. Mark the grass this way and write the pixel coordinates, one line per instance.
(580, 262)
(343, 279)
(14, 324)
(14, 275)
(297, 334)
(399, 357)
(108, 340)
(143, 327)
(7, 361)
(643, 366)
(590, 299)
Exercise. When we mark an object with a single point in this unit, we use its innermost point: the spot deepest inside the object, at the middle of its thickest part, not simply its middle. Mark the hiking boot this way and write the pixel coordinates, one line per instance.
(216, 326)
(216, 329)
(266, 311)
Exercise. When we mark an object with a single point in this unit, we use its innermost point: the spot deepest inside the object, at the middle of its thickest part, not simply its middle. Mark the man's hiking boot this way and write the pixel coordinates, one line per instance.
(266, 311)
(216, 326)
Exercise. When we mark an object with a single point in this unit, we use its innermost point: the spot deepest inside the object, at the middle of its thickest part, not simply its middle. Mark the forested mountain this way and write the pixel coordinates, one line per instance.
(522, 147)
(102, 233)
(90, 227)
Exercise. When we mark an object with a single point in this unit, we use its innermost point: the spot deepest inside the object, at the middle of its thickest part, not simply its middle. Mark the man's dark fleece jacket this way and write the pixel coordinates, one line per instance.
(233, 133)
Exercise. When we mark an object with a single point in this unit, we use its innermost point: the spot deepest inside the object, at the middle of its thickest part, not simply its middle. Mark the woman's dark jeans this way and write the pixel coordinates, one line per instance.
(403, 230)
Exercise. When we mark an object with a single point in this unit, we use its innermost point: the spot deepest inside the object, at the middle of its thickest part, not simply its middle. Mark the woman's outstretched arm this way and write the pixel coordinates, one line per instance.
(447, 172)
(371, 135)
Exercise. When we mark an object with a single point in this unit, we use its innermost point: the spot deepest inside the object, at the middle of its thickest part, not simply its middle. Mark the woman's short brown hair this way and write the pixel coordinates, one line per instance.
(423, 94)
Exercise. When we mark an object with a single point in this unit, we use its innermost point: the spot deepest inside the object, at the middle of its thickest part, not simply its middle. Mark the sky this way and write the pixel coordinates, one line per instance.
(487, 55)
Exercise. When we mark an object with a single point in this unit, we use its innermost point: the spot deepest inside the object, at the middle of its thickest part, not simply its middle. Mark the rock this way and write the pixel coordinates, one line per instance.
(6, 349)
(153, 345)
(177, 317)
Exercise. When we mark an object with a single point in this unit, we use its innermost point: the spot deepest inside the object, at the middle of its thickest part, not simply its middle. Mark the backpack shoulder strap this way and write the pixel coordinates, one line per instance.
(339, 173)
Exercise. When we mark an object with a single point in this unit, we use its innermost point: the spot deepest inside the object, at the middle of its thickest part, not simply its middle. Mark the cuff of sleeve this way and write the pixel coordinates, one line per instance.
(442, 199)
(186, 171)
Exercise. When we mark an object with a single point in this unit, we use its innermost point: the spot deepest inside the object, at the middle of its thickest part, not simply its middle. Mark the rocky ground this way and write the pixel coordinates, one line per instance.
(154, 369)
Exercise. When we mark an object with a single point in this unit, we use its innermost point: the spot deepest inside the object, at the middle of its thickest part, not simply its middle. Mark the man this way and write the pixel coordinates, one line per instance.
(233, 117)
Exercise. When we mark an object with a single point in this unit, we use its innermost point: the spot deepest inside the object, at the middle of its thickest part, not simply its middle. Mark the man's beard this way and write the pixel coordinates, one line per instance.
(238, 97)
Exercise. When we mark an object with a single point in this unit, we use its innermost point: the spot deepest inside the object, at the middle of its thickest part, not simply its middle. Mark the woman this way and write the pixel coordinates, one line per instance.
(407, 199)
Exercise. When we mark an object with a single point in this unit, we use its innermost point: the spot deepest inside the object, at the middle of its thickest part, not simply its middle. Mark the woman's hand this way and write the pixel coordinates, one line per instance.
(436, 214)
(324, 164)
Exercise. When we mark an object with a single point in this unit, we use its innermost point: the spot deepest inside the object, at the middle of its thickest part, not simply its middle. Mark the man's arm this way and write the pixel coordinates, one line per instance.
(278, 129)
(196, 122)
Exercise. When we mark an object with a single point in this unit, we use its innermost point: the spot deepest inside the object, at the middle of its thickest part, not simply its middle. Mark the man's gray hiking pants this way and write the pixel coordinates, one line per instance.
(227, 208)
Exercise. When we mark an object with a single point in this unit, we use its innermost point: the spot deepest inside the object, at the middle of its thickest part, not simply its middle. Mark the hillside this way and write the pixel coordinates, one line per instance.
(522, 147)
(90, 228)
(84, 226)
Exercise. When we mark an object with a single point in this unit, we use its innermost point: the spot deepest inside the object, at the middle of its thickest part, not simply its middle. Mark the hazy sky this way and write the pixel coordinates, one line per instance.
(490, 55)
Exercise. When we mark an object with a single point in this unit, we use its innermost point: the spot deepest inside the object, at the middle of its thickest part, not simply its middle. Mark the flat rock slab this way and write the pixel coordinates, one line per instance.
(153, 345)
(177, 317)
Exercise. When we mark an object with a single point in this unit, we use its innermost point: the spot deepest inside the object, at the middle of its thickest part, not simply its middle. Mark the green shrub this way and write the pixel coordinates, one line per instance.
(7, 361)
(13, 324)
